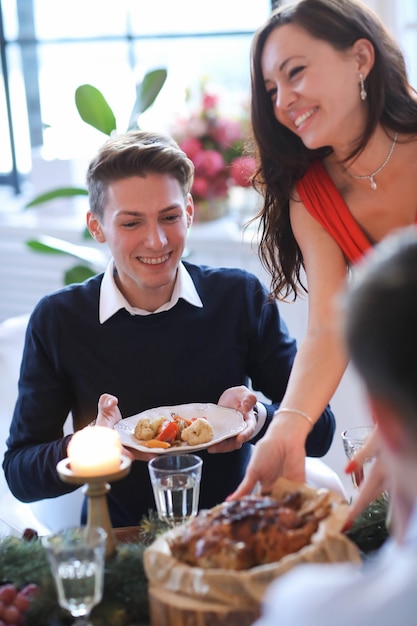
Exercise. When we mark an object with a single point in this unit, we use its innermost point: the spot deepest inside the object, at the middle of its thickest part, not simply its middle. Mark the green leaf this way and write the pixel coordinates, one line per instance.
(94, 109)
(151, 86)
(53, 245)
(60, 192)
(37, 246)
(146, 93)
(78, 274)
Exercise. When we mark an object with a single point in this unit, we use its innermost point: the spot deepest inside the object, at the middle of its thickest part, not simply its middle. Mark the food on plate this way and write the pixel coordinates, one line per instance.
(164, 432)
(146, 429)
(154, 443)
(252, 531)
(199, 431)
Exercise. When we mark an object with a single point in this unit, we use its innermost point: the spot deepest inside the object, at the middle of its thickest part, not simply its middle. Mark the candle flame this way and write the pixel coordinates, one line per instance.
(95, 451)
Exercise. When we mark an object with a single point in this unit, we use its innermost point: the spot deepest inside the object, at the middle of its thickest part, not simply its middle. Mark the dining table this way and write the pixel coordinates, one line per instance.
(126, 599)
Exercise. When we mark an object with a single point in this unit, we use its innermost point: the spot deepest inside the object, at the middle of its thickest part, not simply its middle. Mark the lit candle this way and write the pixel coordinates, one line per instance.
(95, 451)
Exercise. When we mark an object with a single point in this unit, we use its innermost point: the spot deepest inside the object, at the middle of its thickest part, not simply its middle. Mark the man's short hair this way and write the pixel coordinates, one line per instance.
(136, 153)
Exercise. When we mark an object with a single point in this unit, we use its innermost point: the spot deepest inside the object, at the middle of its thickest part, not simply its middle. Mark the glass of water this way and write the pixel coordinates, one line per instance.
(176, 481)
(353, 439)
(76, 557)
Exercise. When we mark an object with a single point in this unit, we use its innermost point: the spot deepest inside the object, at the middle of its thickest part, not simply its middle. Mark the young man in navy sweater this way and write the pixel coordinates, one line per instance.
(152, 331)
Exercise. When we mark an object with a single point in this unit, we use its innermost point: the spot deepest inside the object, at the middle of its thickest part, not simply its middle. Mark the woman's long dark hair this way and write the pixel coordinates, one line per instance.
(283, 158)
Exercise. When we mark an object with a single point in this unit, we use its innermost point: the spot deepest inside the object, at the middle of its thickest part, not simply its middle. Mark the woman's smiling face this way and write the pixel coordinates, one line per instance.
(314, 88)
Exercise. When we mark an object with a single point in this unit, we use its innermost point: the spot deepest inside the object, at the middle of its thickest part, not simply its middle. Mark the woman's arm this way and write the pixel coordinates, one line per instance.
(321, 358)
(318, 366)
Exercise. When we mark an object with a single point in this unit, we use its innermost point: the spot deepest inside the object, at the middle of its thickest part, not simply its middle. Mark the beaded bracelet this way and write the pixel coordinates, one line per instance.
(285, 409)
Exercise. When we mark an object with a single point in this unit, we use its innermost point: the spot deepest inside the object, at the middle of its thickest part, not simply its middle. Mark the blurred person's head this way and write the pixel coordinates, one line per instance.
(380, 322)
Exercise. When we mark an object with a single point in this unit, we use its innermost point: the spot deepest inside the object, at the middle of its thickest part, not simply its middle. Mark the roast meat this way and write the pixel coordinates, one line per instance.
(244, 533)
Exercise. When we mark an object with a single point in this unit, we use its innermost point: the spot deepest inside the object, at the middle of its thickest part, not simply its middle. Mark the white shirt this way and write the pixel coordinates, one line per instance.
(381, 593)
(112, 299)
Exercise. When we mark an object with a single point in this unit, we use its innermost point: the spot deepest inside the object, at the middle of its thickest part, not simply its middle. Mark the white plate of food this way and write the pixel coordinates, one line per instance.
(180, 428)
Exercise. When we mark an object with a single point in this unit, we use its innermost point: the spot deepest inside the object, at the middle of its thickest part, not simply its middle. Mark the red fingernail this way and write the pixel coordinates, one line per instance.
(351, 467)
(347, 526)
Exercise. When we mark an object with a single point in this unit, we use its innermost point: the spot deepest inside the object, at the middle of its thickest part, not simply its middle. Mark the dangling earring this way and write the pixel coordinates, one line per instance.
(363, 93)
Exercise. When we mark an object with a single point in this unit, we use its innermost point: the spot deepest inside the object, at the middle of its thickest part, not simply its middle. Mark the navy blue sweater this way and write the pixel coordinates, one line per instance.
(186, 354)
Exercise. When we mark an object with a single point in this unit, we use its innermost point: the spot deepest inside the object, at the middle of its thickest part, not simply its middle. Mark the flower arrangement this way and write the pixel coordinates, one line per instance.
(216, 145)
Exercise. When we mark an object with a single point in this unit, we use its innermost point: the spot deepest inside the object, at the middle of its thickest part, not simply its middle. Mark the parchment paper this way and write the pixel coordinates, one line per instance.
(231, 587)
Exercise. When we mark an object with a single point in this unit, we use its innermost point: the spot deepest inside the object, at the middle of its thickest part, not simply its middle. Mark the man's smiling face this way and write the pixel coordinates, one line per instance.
(145, 225)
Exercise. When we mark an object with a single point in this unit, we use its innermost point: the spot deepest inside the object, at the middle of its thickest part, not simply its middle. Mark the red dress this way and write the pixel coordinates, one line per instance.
(322, 199)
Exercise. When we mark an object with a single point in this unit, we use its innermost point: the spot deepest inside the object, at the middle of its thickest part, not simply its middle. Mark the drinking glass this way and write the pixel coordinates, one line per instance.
(175, 481)
(76, 556)
(353, 440)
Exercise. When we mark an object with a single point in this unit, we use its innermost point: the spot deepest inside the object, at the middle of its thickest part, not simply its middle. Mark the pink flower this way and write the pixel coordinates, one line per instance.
(219, 186)
(215, 145)
(209, 101)
(208, 162)
(242, 169)
(200, 187)
(227, 132)
(191, 147)
(216, 187)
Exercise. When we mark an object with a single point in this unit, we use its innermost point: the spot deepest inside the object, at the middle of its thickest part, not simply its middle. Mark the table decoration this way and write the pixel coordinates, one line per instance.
(94, 460)
(217, 146)
(96, 488)
(125, 599)
(369, 532)
(95, 451)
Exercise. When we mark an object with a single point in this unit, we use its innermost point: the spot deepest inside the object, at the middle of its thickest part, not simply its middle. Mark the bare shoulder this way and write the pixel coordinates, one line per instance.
(322, 256)
(307, 230)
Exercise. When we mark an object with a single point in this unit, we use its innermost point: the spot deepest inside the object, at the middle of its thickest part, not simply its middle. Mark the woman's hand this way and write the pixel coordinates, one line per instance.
(376, 480)
(281, 452)
(241, 399)
(383, 478)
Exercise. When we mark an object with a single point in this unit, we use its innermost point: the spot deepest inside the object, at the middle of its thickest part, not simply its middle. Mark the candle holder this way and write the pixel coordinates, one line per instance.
(96, 488)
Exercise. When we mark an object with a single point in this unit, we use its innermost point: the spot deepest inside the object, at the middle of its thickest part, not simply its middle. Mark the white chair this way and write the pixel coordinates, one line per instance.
(319, 474)
(57, 513)
(43, 516)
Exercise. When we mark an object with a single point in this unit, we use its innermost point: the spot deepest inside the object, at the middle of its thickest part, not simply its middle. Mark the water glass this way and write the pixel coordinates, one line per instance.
(353, 440)
(76, 557)
(176, 481)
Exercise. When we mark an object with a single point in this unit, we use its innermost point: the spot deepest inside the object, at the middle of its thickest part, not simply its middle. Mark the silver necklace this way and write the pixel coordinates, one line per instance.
(371, 177)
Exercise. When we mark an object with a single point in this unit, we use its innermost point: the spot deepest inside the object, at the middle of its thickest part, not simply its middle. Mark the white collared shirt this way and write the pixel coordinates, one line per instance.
(112, 299)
